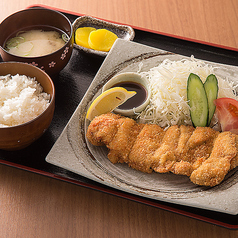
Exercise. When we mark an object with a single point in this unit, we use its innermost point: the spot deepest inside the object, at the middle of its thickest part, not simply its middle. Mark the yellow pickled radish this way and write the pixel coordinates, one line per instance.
(82, 34)
(101, 39)
(108, 101)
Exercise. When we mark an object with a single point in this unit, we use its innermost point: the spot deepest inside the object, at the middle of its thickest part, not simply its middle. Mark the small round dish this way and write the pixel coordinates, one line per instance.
(38, 18)
(122, 31)
(20, 136)
(134, 82)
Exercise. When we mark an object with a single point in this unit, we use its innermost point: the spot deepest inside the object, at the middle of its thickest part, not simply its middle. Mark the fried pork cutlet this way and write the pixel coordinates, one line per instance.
(203, 154)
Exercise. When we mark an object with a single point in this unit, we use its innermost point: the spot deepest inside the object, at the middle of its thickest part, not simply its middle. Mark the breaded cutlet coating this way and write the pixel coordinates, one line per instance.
(203, 154)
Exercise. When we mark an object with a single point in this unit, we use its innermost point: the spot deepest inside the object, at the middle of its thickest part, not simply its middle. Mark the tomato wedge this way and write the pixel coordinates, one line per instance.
(227, 114)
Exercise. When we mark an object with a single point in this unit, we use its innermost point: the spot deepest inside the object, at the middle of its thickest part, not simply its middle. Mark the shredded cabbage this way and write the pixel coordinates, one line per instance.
(168, 83)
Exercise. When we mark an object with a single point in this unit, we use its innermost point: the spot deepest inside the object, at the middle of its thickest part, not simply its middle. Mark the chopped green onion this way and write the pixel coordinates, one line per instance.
(14, 42)
(65, 37)
(20, 32)
(25, 47)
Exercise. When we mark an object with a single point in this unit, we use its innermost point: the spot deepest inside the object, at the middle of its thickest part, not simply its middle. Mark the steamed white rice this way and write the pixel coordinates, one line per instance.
(21, 99)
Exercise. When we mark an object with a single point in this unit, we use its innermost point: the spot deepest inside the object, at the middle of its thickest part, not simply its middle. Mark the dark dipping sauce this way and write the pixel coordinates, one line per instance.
(136, 100)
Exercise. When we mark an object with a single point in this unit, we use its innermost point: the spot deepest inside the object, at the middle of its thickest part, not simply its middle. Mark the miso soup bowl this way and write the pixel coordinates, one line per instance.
(38, 18)
(22, 135)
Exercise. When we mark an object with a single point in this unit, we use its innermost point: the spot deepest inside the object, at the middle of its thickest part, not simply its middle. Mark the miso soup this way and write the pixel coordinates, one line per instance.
(36, 42)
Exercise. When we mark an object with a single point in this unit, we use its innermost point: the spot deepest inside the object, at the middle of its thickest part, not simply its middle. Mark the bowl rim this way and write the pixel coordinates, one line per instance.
(42, 9)
(52, 98)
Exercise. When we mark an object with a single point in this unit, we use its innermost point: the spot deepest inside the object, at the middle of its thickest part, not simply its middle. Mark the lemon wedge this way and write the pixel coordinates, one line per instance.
(82, 34)
(108, 101)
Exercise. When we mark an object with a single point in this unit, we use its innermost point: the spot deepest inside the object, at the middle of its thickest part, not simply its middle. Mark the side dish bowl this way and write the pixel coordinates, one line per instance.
(122, 31)
(128, 78)
(37, 18)
(20, 136)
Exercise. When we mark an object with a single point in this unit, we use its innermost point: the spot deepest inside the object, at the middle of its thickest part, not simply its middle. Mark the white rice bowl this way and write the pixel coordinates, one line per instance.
(21, 99)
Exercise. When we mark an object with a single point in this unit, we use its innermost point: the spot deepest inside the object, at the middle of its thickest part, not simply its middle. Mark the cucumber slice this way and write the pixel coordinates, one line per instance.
(197, 100)
(211, 88)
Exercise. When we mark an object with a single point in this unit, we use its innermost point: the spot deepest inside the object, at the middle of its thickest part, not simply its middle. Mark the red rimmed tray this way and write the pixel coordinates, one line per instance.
(72, 83)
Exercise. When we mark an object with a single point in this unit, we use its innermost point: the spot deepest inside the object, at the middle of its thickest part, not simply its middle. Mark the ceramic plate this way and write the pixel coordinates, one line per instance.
(122, 31)
(73, 152)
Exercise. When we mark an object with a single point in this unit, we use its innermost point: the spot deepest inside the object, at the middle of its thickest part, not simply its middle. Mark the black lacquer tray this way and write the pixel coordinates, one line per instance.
(71, 85)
